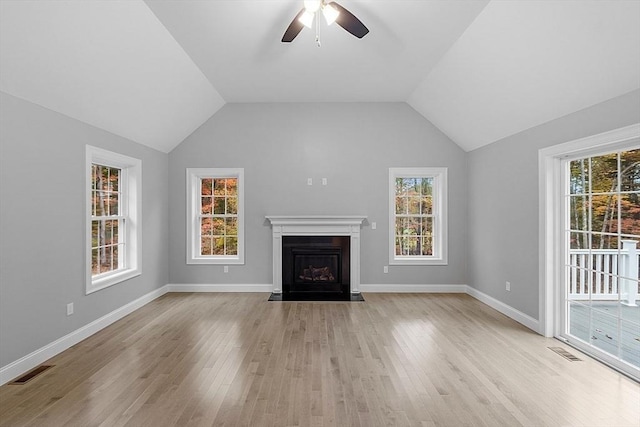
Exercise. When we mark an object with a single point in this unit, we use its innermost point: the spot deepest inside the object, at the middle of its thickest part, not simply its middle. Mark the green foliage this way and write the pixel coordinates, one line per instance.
(604, 200)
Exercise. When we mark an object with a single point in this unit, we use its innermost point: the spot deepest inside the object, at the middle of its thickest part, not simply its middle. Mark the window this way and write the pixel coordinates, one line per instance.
(113, 212)
(215, 213)
(417, 216)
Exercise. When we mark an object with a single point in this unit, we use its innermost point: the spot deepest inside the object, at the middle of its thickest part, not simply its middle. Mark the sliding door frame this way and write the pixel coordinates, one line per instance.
(552, 239)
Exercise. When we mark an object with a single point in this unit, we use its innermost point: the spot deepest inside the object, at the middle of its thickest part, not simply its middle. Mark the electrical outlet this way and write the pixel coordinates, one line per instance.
(226, 268)
(374, 225)
(508, 287)
(385, 269)
(309, 181)
(69, 309)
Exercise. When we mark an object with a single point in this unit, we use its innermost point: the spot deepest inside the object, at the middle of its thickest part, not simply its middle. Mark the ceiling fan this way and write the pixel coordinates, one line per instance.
(332, 12)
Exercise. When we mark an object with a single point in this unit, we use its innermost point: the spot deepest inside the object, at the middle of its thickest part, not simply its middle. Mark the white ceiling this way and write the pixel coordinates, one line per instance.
(154, 71)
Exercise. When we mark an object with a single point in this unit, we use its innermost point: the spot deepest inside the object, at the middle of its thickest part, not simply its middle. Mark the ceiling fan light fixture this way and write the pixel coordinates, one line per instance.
(307, 19)
(312, 6)
(330, 13)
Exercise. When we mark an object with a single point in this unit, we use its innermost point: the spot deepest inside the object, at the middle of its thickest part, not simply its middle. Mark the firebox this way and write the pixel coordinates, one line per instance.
(316, 267)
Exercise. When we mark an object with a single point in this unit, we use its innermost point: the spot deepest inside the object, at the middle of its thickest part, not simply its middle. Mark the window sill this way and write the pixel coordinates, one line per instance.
(418, 261)
(111, 279)
(221, 260)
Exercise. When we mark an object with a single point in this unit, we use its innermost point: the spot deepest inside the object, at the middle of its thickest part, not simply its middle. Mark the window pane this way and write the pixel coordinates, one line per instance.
(219, 186)
(99, 200)
(218, 205)
(629, 343)
(94, 234)
(218, 246)
(206, 226)
(401, 205)
(630, 170)
(402, 224)
(427, 186)
(232, 227)
(232, 205)
(414, 205)
(114, 179)
(427, 227)
(218, 226)
(206, 245)
(232, 246)
(427, 246)
(232, 186)
(630, 213)
(94, 262)
(207, 186)
(111, 232)
(579, 212)
(206, 205)
(579, 176)
(604, 175)
(604, 332)
(426, 207)
(400, 190)
(414, 226)
(604, 213)
(604, 241)
(94, 176)
(412, 245)
(579, 240)
(114, 204)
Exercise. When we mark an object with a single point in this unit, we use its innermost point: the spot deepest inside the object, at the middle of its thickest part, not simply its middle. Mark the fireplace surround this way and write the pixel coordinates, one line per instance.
(330, 248)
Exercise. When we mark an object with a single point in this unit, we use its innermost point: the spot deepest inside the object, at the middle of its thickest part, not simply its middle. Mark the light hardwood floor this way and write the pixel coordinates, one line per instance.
(396, 359)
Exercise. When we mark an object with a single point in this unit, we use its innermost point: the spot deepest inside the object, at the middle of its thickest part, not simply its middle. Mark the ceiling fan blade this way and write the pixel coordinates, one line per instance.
(349, 22)
(294, 29)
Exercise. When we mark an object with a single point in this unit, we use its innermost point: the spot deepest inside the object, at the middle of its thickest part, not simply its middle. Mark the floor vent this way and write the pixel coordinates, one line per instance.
(31, 374)
(564, 353)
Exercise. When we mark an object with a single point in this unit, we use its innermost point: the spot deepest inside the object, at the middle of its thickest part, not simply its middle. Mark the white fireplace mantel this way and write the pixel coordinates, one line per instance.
(317, 225)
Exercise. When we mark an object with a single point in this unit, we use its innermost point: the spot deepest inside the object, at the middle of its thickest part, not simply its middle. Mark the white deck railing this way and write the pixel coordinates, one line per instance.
(613, 273)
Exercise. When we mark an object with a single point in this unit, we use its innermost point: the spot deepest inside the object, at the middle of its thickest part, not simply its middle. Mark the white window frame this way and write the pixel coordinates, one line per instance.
(194, 180)
(131, 210)
(440, 249)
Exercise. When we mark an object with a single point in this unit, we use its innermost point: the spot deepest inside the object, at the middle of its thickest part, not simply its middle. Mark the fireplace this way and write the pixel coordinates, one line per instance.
(316, 257)
(316, 265)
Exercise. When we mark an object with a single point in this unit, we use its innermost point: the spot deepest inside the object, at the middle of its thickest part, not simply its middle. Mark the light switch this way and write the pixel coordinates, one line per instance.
(309, 181)
(324, 181)
(374, 225)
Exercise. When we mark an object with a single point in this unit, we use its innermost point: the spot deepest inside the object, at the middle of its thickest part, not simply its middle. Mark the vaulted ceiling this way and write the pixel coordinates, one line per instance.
(153, 71)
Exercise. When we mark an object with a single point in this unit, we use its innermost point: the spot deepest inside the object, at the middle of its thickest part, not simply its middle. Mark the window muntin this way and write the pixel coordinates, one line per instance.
(113, 210)
(417, 226)
(215, 216)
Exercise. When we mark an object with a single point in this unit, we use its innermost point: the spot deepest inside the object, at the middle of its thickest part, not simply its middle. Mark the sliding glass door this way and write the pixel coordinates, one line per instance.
(600, 309)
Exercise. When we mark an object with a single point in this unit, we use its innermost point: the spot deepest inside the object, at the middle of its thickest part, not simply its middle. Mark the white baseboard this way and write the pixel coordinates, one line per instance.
(438, 289)
(505, 309)
(31, 360)
(218, 288)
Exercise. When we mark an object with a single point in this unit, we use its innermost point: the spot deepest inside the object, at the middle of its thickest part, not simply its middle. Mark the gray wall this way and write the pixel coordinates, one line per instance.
(42, 237)
(352, 145)
(503, 200)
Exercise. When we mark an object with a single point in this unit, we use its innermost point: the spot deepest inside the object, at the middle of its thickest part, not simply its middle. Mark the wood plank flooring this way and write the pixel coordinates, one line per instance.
(396, 359)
